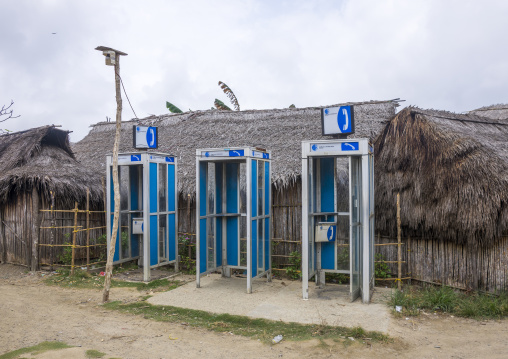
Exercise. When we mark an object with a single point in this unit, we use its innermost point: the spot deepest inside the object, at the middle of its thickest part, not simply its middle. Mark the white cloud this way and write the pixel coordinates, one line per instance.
(440, 54)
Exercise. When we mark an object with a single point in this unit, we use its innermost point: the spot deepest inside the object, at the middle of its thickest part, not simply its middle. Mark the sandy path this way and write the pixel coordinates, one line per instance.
(31, 312)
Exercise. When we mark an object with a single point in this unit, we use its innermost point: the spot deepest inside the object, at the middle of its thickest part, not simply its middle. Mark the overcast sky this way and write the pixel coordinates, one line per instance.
(449, 55)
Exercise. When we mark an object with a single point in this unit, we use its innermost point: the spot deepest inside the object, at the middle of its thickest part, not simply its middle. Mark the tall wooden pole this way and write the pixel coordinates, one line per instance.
(116, 187)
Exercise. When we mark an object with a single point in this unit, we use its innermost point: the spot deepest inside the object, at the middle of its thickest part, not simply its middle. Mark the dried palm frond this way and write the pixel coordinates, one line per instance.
(230, 95)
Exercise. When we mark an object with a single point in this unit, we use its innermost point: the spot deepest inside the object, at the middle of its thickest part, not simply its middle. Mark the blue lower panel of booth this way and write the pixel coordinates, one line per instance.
(202, 245)
(254, 248)
(154, 253)
(232, 241)
(328, 255)
(171, 237)
(135, 245)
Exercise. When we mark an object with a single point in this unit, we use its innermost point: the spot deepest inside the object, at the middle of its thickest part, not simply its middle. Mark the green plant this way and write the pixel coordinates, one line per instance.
(124, 237)
(66, 256)
(101, 253)
(381, 269)
(439, 298)
(187, 251)
(408, 300)
(293, 271)
(445, 299)
(343, 258)
(172, 108)
(338, 278)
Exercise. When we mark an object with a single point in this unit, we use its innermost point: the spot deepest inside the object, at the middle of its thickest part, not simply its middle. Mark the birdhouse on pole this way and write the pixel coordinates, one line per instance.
(110, 54)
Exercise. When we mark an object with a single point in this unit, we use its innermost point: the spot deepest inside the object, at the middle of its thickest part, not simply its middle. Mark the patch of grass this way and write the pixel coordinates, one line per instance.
(407, 299)
(439, 298)
(36, 349)
(262, 329)
(445, 299)
(481, 306)
(85, 280)
(92, 353)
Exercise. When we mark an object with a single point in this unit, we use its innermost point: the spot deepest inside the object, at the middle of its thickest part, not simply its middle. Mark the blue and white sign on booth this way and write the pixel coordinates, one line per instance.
(145, 137)
(337, 120)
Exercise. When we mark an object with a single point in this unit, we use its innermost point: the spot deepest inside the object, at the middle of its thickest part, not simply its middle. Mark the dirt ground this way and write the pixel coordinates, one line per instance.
(32, 312)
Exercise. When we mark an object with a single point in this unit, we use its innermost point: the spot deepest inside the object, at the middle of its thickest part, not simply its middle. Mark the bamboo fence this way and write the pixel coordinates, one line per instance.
(82, 250)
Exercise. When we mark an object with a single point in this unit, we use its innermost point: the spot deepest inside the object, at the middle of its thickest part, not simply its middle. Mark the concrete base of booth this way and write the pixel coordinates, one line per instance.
(281, 300)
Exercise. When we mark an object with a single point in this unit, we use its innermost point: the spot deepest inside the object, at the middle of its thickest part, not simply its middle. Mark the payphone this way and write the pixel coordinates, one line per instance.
(148, 210)
(338, 213)
(233, 212)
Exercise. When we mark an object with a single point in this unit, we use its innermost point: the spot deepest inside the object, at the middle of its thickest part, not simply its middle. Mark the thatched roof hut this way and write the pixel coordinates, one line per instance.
(279, 130)
(33, 164)
(42, 158)
(452, 174)
(496, 112)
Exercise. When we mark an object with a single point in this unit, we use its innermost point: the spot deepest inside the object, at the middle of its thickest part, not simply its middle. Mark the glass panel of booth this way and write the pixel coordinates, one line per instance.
(163, 238)
(243, 210)
(163, 187)
(355, 244)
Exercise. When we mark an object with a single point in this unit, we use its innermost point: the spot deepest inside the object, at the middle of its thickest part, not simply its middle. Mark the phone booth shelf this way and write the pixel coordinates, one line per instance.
(233, 212)
(148, 220)
(329, 216)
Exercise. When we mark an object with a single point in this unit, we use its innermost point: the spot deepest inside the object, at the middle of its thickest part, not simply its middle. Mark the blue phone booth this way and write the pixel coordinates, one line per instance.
(233, 212)
(338, 213)
(148, 210)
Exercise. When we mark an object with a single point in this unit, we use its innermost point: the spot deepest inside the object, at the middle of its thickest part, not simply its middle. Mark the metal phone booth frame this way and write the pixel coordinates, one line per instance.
(233, 212)
(321, 216)
(148, 210)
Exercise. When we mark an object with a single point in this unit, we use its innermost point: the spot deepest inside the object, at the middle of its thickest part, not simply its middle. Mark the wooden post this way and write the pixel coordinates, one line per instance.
(74, 236)
(87, 229)
(116, 186)
(52, 233)
(35, 234)
(410, 272)
(4, 240)
(189, 248)
(399, 245)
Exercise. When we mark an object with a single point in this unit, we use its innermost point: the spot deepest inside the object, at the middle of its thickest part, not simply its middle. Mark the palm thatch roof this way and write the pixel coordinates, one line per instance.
(278, 130)
(452, 174)
(42, 157)
(495, 112)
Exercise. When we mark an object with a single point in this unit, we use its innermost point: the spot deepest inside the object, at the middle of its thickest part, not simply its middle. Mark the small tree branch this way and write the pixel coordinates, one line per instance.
(6, 112)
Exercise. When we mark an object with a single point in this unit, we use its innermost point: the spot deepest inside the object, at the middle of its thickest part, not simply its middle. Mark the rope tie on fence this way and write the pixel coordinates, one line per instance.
(187, 234)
